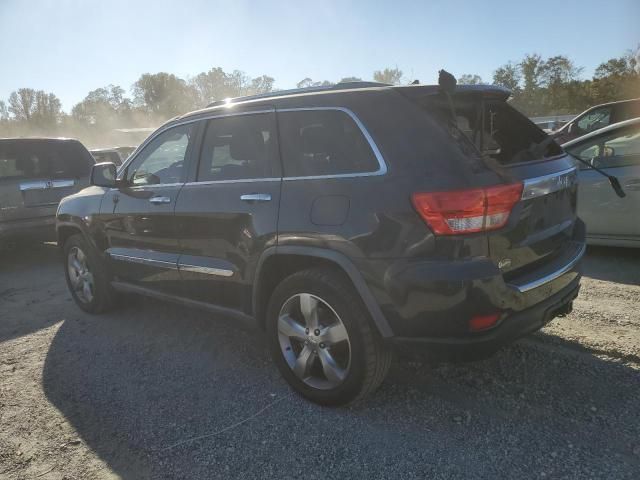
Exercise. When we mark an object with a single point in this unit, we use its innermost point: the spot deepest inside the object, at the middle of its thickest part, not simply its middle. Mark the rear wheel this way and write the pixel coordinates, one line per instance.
(86, 276)
(322, 340)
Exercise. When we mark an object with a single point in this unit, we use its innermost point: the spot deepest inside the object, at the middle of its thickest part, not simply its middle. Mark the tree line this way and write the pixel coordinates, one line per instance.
(540, 86)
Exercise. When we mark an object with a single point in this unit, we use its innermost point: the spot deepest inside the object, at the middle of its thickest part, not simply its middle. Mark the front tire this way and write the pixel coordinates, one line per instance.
(86, 276)
(322, 340)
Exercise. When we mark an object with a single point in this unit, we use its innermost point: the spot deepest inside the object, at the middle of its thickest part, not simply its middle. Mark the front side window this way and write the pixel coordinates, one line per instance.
(162, 160)
(323, 142)
(239, 147)
(617, 149)
(598, 118)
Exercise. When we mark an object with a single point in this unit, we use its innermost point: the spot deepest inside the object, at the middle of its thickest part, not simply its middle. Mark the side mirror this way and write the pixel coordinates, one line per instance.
(609, 152)
(571, 127)
(104, 175)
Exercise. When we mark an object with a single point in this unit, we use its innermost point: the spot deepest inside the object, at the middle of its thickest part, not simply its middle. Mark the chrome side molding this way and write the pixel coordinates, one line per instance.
(221, 272)
(546, 184)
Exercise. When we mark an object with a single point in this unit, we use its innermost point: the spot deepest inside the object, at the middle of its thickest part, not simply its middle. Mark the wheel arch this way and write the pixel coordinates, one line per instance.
(276, 263)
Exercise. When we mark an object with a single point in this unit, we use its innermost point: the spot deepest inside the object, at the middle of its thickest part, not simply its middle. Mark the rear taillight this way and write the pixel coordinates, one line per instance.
(467, 211)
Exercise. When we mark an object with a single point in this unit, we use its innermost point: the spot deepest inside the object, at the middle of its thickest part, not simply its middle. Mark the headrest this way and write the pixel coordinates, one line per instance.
(316, 139)
(247, 145)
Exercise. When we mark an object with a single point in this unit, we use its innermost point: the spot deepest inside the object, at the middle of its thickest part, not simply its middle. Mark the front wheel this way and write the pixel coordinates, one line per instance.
(322, 340)
(86, 276)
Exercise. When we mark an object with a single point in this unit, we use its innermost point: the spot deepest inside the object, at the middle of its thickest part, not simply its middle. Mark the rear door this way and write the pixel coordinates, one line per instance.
(606, 214)
(228, 213)
(138, 217)
(36, 174)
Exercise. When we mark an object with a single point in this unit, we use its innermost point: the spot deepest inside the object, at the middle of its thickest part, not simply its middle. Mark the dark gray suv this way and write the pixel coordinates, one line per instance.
(342, 221)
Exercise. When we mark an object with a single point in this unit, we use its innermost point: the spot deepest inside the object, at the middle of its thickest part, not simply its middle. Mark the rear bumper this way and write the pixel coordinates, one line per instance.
(430, 303)
(42, 228)
(510, 328)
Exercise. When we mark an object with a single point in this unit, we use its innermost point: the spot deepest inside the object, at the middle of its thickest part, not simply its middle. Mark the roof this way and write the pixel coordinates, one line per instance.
(596, 133)
(410, 91)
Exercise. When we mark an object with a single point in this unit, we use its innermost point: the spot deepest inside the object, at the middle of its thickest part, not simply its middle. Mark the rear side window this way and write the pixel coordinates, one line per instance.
(239, 147)
(323, 142)
(44, 159)
(595, 119)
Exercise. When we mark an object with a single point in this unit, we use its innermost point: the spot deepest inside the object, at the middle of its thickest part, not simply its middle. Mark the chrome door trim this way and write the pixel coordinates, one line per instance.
(241, 180)
(45, 184)
(538, 282)
(382, 166)
(546, 184)
(221, 272)
(144, 261)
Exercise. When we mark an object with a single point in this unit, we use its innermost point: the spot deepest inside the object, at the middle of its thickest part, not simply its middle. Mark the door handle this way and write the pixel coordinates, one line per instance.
(256, 197)
(159, 200)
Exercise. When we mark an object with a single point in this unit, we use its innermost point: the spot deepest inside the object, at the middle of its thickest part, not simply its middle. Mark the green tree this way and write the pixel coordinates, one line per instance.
(4, 111)
(508, 76)
(469, 79)
(35, 107)
(307, 83)
(216, 84)
(163, 94)
(392, 76)
(102, 105)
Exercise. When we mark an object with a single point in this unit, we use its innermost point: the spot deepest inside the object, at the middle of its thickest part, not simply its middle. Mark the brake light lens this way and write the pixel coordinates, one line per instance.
(482, 322)
(467, 211)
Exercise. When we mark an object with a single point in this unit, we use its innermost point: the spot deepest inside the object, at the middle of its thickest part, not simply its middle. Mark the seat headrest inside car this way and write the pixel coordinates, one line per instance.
(247, 145)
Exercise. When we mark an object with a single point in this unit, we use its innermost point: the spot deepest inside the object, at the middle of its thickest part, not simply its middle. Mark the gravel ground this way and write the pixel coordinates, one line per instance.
(154, 391)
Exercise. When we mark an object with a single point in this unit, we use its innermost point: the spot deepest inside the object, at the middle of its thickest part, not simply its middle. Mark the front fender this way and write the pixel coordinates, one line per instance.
(80, 212)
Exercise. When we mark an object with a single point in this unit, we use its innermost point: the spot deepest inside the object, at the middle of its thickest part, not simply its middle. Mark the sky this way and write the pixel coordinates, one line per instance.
(70, 47)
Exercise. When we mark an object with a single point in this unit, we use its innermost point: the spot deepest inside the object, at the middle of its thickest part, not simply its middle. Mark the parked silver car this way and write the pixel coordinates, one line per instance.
(35, 174)
(615, 149)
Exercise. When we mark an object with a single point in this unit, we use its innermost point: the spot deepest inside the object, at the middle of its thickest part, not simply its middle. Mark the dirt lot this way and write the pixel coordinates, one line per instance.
(153, 391)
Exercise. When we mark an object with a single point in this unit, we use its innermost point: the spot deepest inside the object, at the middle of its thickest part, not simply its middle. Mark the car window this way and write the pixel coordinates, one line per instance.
(598, 118)
(44, 159)
(239, 147)
(162, 160)
(617, 149)
(323, 142)
(627, 110)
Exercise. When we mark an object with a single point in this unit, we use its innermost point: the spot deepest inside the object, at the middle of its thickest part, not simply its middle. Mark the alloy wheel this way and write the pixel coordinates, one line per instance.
(80, 276)
(314, 341)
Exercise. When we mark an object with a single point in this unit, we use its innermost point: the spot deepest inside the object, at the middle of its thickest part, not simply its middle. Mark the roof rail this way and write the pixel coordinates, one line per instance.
(293, 91)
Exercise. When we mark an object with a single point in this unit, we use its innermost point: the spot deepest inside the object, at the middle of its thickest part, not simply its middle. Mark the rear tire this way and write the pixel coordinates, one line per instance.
(87, 276)
(344, 359)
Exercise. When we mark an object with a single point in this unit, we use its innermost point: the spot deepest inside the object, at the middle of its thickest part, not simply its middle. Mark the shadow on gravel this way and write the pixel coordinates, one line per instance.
(33, 292)
(136, 382)
(621, 265)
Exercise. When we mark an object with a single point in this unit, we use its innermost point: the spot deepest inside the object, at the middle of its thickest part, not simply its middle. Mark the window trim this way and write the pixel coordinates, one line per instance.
(382, 166)
(188, 154)
(169, 126)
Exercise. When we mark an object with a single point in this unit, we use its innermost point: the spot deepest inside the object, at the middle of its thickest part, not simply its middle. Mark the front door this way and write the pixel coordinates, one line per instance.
(605, 214)
(228, 213)
(139, 216)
